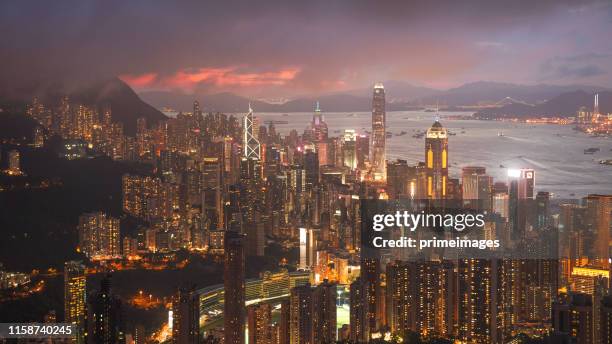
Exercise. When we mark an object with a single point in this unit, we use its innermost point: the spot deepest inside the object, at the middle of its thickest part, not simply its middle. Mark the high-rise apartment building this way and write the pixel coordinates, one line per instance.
(233, 279)
(99, 236)
(75, 299)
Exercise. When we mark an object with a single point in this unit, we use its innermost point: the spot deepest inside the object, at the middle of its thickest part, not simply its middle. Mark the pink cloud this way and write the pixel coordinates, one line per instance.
(226, 77)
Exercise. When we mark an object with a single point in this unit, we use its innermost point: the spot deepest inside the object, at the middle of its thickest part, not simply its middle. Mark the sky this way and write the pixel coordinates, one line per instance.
(290, 48)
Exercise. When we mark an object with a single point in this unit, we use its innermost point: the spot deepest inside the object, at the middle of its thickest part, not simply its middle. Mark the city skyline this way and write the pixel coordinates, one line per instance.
(306, 172)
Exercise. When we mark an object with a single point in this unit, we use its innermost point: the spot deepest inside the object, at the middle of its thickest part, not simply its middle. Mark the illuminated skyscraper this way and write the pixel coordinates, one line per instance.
(104, 316)
(572, 316)
(260, 323)
(378, 133)
(233, 279)
(436, 160)
(250, 140)
(349, 149)
(318, 126)
(75, 288)
(185, 318)
(324, 313)
(99, 236)
(14, 167)
(313, 314)
(605, 320)
(476, 187)
(521, 186)
(599, 208)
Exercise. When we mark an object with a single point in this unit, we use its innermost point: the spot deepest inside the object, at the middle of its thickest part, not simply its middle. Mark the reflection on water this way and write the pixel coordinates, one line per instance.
(556, 152)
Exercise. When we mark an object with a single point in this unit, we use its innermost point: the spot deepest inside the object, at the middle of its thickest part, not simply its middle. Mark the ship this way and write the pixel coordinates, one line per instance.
(591, 150)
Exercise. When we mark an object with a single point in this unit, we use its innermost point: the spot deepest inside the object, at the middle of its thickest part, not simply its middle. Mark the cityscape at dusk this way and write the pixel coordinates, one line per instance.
(267, 172)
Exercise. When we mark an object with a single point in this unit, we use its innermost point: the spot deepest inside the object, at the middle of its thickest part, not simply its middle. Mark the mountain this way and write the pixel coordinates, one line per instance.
(564, 105)
(488, 93)
(125, 104)
(400, 96)
(397, 91)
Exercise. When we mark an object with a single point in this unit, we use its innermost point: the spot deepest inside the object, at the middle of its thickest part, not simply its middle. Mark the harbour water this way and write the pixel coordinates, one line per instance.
(556, 152)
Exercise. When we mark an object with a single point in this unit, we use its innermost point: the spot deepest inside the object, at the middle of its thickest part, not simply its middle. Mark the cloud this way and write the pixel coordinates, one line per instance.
(285, 48)
(575, 67)
(220, 78)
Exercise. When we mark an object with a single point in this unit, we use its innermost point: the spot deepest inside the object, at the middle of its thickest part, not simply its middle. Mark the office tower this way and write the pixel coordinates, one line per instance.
(401, 180)
(260, 323)
(256, 238)
(543, 219)
(250, 138)
(436, 160)
(211, 190)
(596, 113)
(307, 242)
(14, 167)
(318, 126)
(38, 137)
(363, 150)
(572, 316)
(75, 288)
(500, 201)
(233, 279)
(476, 187)
(379, 134)
(104, 316)
(185, 317)
(349, 149)
(311, 167)
(521, 185)
(598, 215)
(99, 236)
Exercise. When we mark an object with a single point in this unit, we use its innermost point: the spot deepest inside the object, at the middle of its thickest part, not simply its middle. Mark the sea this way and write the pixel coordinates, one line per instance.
(555, 152)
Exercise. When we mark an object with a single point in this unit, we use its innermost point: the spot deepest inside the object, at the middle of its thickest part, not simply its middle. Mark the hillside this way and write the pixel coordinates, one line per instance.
(564, 105)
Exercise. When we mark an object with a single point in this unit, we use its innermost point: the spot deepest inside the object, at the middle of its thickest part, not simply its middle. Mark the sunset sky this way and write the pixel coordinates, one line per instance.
(289, 48)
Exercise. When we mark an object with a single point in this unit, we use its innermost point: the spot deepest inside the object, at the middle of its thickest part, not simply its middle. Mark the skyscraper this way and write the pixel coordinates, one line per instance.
(185, 318)
(349, 149)
(250, 140)
(260, 323)
(318, 126)
(436, 159)
(476, 187)
(104, 316)
(233, 279)
(378, 133)
(75, 298)
(313, 314)
(99, 236)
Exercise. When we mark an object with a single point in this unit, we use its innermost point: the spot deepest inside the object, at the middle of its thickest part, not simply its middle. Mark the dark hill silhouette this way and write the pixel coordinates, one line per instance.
(564, 105)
